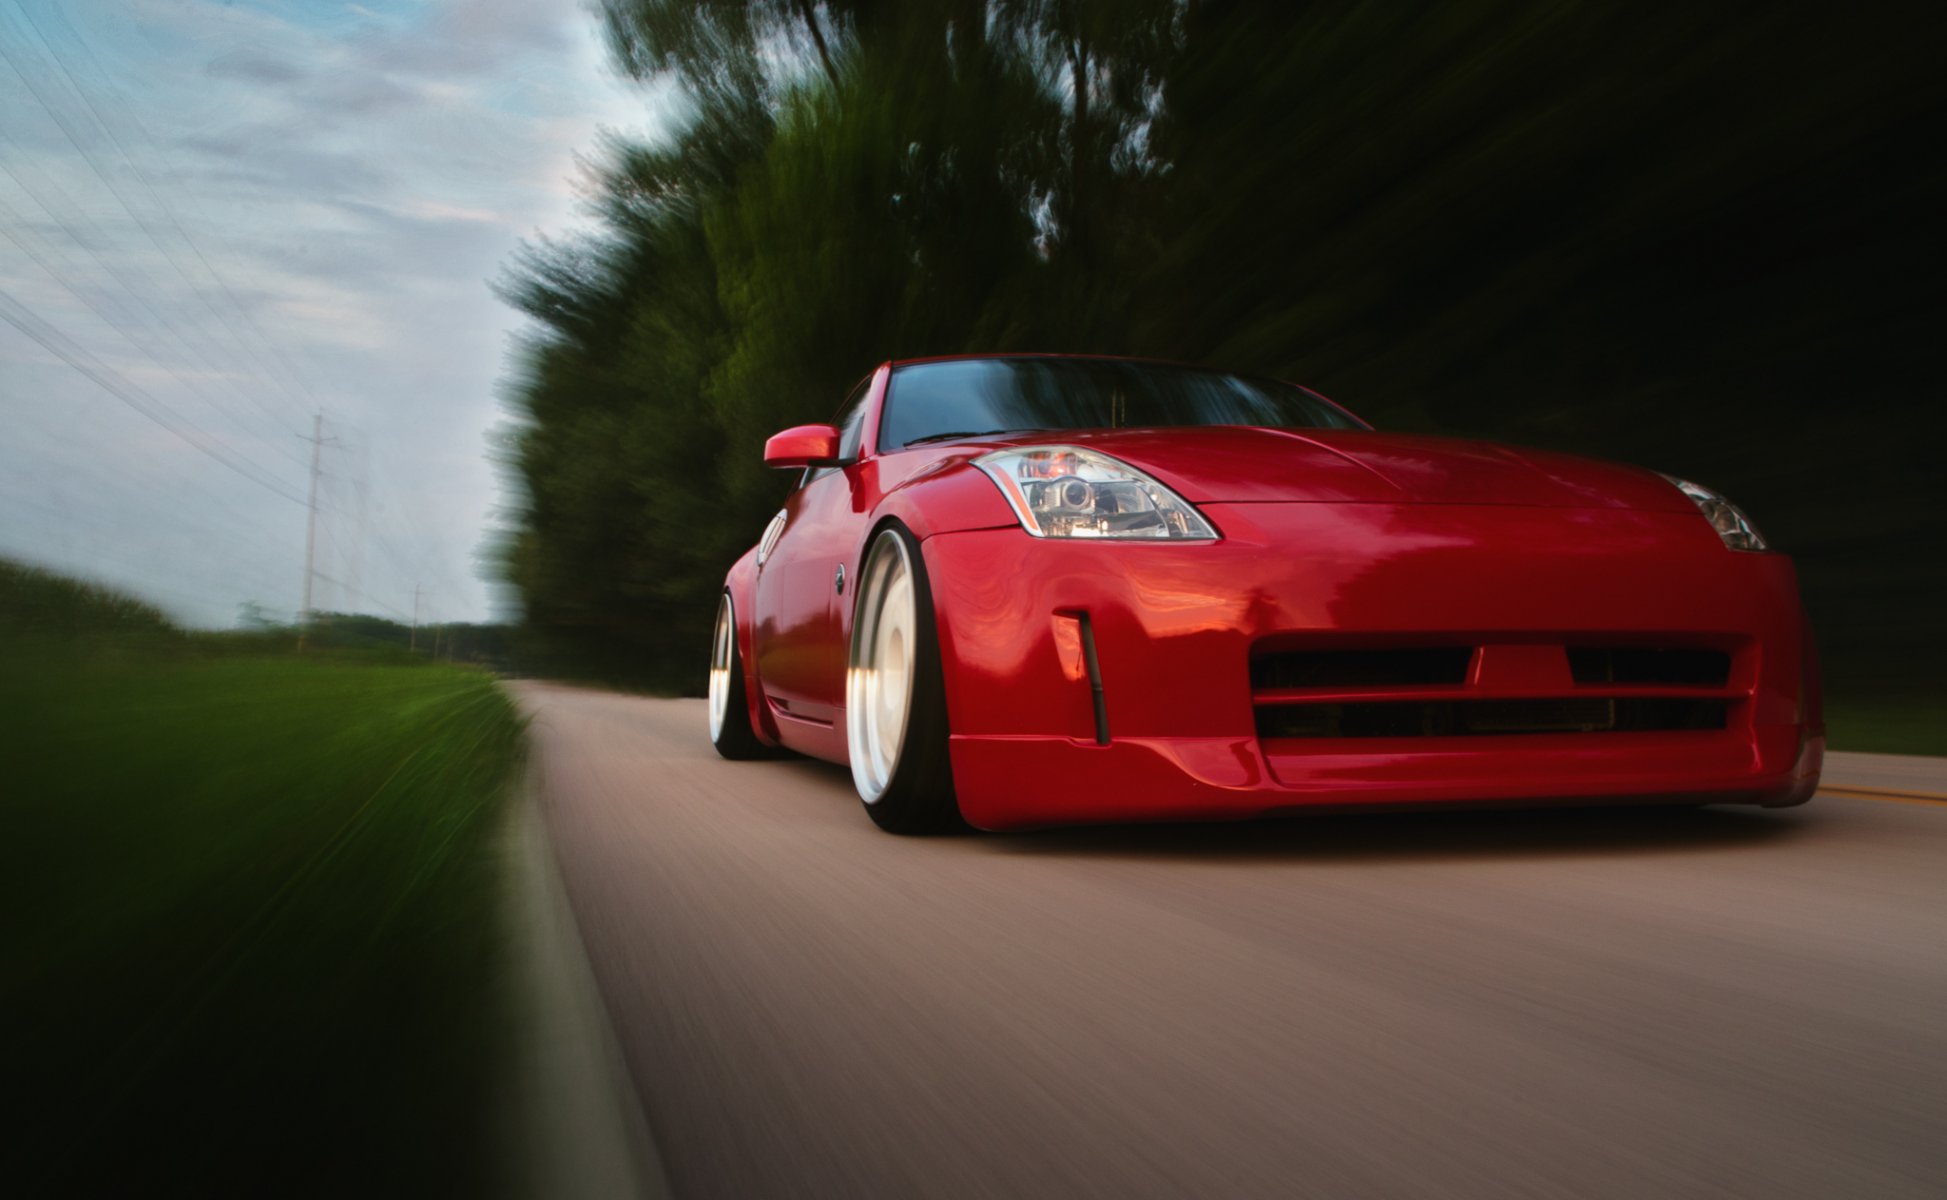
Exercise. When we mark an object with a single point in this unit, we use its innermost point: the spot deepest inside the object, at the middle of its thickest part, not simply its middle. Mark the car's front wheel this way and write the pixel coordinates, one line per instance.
(730, 730)
(895, 693)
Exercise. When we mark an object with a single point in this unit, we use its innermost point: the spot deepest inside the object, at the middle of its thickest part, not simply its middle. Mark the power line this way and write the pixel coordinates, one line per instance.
(68, 131)
(135, 119)
(91, 496)
(103, 101)
(62, 203)
(205, 533)
(51, 339)
(92, 306)
(365, 596)
(100, 484)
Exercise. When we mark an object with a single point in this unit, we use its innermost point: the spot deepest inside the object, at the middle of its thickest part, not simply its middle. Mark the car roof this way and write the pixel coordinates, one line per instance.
(995, 355)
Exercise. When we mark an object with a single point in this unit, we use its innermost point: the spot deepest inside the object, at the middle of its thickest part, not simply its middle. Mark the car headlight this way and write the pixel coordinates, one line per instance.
(1069, 492)
(1726, 518)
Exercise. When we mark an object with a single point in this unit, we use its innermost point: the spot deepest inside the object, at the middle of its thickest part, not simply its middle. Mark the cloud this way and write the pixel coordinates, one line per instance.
(266, 155)
(433, 210)
(479, 38)
(253, 67)
(355, 174)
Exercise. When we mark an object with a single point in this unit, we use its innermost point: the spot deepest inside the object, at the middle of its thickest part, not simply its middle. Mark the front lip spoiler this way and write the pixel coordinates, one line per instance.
(1144, 779)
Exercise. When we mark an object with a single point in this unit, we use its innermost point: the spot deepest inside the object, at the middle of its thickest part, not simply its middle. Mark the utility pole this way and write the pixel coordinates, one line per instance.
(414, 644)
(311, 529)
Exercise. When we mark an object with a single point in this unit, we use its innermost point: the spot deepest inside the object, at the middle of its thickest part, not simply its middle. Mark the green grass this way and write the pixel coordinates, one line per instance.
(1909, 725)
(254, 913)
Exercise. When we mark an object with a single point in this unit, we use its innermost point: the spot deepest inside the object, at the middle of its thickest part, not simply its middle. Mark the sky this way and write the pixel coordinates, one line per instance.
(220, 220)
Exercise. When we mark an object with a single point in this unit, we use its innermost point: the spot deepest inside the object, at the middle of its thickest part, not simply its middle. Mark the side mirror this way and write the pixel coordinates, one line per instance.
(802, 446)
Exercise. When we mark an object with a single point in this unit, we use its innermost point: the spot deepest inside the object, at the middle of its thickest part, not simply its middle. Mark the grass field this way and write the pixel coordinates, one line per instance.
(256, 938)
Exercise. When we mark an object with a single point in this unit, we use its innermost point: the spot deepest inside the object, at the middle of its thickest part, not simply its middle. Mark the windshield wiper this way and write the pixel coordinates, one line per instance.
(965, 433)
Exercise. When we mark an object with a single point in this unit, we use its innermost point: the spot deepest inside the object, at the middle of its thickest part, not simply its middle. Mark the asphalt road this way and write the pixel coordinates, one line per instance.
(1631, 1004)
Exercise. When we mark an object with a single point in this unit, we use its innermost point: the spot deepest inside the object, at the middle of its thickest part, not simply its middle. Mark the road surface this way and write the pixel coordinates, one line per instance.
(1717, 1003)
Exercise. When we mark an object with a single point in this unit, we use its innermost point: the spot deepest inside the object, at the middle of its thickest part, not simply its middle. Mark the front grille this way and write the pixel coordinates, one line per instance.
(1463, 718)
(1413, 666)
(1649, 665)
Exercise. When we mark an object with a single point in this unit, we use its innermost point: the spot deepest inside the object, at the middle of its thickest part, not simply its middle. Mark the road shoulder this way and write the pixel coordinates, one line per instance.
(580, 1129)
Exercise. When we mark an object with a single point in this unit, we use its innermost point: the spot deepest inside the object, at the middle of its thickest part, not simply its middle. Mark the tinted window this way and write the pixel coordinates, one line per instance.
(929, 400)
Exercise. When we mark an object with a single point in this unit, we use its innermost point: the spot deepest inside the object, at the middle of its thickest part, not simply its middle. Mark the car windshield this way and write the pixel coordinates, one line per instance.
(935, 401)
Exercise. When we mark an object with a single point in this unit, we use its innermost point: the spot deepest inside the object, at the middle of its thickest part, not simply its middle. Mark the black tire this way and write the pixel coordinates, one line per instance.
(730, 730)
(915, 795)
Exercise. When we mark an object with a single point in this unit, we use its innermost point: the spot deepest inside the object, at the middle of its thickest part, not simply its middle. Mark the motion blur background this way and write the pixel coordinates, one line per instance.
(1700, 238)
(451, 330)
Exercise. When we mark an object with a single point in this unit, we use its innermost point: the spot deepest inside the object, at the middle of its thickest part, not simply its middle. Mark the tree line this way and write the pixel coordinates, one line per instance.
(1686, 237)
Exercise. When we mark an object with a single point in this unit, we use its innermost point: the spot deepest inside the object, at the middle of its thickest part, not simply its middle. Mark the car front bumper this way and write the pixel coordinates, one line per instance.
(1181, 732)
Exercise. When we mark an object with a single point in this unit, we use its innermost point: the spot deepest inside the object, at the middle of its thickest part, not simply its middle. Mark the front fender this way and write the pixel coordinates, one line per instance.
(949, 496)
(741, 584)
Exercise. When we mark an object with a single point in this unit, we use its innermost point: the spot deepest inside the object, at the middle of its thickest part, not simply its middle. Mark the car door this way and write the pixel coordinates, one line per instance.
(803, 582)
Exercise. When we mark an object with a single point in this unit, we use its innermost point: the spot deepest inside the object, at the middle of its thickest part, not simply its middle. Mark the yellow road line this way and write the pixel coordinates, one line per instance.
(1859, 793)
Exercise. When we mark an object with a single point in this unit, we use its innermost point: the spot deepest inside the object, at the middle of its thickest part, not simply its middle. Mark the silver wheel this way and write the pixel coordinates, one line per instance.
(723, 660)
(879, 673)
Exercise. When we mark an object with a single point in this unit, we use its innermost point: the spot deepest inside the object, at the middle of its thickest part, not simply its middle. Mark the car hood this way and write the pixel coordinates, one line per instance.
(1233, 464)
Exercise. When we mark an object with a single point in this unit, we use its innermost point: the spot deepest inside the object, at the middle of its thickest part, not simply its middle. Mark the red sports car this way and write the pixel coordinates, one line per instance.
(1037, 590)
